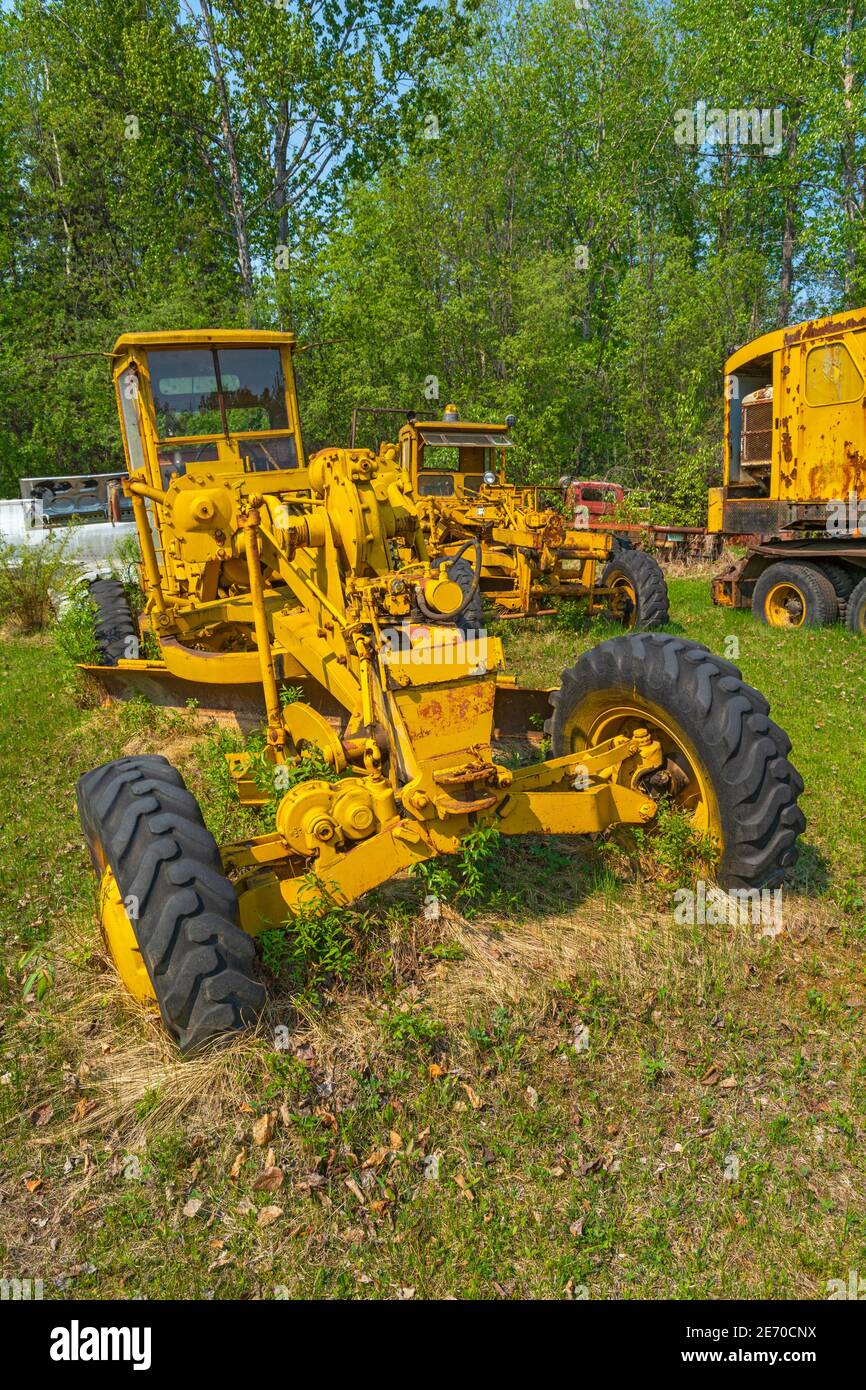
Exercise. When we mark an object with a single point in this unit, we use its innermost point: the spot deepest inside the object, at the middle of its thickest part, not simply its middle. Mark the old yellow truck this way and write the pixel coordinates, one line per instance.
(795, 475)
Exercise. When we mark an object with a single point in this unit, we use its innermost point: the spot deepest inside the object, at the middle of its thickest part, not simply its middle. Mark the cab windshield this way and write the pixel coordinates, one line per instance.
(454, 451)
(217, 391)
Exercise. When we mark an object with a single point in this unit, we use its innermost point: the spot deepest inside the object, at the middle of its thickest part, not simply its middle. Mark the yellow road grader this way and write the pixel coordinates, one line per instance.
(262, 567)
(528, 554)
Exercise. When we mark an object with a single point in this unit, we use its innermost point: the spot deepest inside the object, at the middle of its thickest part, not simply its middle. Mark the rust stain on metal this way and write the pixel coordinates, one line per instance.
(821, 328)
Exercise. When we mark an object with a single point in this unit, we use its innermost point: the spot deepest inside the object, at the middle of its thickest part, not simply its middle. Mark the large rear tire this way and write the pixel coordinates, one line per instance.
(641, 586)
(157, 858)
(726, 762)
(789, 595)
(856, 609)
(115, 630)
(843, 581)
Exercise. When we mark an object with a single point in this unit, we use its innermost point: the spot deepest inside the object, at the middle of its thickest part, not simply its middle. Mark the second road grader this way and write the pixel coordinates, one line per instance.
(256, 558)
(528, 554)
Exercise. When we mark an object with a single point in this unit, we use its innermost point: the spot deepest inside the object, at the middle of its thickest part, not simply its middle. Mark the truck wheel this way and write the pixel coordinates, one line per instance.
(169, 914)
(726, 762)
(856, 612)
(843, 583)
(114, 623)
(842, 580)
(788, 595)
(641, 594)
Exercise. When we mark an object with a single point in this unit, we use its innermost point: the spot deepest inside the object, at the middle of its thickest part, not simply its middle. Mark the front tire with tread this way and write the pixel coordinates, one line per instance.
(115, 630)
(142, 823)
(643, 575)
(743, 752)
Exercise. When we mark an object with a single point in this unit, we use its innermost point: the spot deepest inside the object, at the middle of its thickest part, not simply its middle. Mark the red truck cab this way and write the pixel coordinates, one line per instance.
(596, 498)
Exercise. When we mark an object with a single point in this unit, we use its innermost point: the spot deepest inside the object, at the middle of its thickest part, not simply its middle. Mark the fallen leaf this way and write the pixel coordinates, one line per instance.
(711, 1077)
(532, 1097)
(311, 1181)
(238, 1164)
(269, 1180)
(355, 1190)
(268, 1215)
(576, 1227)
(728, 1084)
(33, 1184)
(263, 1128)
(434, 1071)
(376, 1158)
(41, 1116)
(192, 1207)
(395, 1139)
(472, 1096)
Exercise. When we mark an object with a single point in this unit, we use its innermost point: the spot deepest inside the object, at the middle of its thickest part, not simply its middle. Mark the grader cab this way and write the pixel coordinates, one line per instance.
(529, 554)
(262, 567)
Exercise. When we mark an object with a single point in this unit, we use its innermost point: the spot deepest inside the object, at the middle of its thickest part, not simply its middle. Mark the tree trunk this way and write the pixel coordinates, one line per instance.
(235, 190)
(849, 176)
(61, 184)
(788, 230)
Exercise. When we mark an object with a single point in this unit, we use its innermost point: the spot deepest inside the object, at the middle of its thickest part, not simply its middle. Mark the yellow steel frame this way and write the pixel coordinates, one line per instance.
(268, 577)
(528, 554)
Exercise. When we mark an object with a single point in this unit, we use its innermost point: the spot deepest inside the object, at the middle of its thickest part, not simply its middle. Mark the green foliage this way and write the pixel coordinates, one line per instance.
(125, 565)
(411, 1029)
(428, 225)
(316, 949)
(468, 878)
(75, 633)
(676, 851)
(38, 972)
(32, 579)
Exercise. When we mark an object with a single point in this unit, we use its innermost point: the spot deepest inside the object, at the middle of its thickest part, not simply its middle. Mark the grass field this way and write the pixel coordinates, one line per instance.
(544, 1088)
